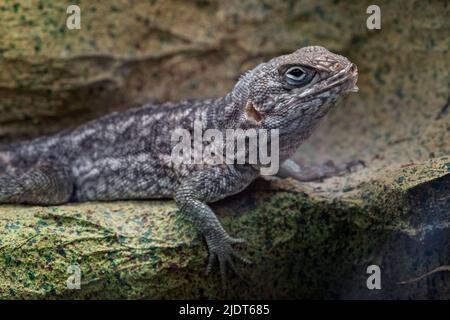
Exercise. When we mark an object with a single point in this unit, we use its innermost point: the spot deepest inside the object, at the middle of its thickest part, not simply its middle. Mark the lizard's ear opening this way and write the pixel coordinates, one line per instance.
(251, 114)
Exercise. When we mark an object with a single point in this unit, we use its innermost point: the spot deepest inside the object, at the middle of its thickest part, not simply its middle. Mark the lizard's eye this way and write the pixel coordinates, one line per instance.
(296, 76)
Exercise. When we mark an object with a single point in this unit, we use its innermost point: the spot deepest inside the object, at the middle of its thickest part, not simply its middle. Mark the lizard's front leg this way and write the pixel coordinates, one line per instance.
(208, 186)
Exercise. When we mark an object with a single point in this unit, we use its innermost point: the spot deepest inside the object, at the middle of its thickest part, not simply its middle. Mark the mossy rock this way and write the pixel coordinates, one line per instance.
(304, 243)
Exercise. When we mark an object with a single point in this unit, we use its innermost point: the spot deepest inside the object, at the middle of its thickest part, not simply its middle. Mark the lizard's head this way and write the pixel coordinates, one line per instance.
(293, 92)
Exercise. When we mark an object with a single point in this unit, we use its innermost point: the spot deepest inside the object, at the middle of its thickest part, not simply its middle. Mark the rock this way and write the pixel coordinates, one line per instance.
(310, 240)
(304, 243)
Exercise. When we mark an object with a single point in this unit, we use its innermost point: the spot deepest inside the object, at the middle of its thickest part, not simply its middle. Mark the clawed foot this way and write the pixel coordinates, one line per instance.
(330, 169)
(343, 168)
(291, 169)
(221, 249)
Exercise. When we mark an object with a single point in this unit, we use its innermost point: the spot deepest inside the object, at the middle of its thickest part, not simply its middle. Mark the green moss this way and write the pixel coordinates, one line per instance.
(399, 92)
(15, 7)
(37, 44)
(319, 11)
(447, 165)
(145, 250)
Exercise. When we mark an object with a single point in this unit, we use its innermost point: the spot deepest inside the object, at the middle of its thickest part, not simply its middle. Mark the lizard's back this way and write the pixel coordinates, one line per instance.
(124, 155)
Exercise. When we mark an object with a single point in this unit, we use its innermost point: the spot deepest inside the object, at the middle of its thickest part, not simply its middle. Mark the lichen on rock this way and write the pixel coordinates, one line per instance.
(304, 243)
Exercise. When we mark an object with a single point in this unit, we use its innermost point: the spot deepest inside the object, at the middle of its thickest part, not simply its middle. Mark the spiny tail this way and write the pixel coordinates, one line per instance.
(29, 175)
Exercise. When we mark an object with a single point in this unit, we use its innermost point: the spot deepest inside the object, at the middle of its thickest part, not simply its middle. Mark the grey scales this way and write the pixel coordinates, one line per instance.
(127, 155)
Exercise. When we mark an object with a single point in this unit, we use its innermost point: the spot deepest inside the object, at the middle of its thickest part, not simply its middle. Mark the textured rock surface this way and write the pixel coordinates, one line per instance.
(395, 212)
(303, 244)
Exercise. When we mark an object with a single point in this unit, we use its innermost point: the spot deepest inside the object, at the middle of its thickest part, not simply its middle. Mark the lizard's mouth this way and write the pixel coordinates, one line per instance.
(345, 80)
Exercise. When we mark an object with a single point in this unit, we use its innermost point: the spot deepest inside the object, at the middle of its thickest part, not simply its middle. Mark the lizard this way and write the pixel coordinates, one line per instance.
(126, 155)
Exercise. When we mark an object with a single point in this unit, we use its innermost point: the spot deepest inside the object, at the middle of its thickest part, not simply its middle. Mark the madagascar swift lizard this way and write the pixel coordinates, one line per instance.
(127, 155)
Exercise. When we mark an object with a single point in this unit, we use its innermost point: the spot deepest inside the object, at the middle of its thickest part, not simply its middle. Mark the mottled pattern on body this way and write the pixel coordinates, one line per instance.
(127, 155)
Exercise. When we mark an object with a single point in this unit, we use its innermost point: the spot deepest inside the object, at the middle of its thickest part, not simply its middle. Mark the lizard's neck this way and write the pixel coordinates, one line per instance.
(224, 113)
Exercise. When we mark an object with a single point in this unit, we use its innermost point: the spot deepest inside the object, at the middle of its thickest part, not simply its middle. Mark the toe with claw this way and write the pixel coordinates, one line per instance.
(221, 249)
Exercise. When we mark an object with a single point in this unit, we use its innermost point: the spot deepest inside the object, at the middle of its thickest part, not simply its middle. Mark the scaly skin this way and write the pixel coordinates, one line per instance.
(127, 155)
